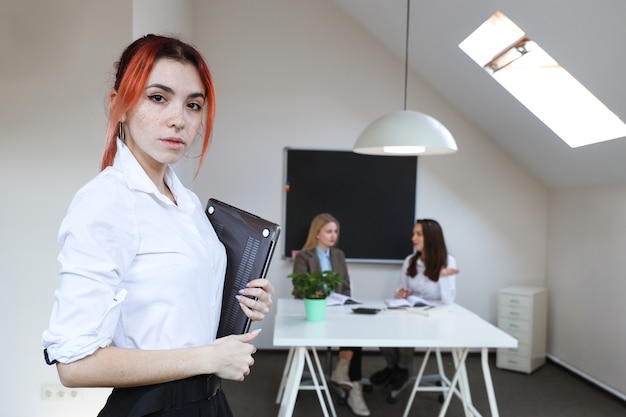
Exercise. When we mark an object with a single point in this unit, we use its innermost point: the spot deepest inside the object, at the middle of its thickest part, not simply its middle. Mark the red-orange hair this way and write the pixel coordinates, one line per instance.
(132, 72)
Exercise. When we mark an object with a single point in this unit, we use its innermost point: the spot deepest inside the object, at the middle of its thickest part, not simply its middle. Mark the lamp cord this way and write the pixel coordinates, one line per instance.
(406, 51)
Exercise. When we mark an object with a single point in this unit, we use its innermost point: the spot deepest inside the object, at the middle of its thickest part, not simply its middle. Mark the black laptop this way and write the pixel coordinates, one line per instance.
(250, 242)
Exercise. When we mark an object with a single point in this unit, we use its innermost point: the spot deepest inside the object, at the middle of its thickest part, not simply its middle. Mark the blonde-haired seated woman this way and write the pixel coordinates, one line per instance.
(320, 254)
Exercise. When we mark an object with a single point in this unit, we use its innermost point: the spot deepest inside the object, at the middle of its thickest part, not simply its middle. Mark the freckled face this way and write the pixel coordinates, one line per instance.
(327, 236)
(418, 238)
(166, 120)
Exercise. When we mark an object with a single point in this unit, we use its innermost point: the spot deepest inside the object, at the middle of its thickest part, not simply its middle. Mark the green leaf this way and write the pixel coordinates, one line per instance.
(317, 285)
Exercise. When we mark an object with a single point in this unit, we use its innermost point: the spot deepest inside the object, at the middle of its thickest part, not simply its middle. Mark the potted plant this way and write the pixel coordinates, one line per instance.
(314, 287)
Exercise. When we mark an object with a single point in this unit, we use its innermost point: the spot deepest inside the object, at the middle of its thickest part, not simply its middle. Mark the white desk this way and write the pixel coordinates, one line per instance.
(448, 327)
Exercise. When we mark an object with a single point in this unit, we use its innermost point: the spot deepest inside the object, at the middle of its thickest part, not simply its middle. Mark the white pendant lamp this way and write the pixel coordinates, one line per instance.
(405, 132)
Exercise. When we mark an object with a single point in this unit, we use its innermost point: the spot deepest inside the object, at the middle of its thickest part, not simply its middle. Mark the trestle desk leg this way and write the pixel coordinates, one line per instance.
(316, 383)
(491, 395)
(283, 380)
(324, 383)
(464, 389)
(440, 368)
(417, 383)
(453, 382)
(294, 376)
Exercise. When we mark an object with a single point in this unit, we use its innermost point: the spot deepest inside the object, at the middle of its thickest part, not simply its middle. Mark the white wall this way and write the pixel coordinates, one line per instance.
(302, 74)
(298, 74)
(54, 76)
(587, 282)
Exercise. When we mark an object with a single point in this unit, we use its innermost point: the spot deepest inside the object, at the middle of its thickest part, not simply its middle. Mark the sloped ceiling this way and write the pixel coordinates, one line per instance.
(584, 36)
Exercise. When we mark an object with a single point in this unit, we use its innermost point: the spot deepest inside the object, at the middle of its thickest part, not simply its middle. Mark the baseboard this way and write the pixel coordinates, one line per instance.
(589, 378)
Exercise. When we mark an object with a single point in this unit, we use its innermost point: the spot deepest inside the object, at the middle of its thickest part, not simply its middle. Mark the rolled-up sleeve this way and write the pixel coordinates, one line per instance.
(99, 240)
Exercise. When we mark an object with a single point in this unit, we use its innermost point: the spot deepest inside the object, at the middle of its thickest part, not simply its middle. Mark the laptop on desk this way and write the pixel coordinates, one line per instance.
(250, 242)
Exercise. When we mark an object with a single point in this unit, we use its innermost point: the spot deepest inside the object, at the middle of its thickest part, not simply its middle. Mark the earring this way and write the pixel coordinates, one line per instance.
(121, 134)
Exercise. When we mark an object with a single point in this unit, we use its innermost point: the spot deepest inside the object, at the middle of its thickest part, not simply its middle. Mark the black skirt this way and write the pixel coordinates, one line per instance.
(198, 396)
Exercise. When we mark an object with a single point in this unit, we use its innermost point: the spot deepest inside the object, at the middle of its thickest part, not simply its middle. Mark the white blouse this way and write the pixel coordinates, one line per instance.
(443, 290)
(137, 271)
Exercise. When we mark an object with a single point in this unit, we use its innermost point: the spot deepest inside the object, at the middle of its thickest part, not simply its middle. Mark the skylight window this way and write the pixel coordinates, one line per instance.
(541, 84)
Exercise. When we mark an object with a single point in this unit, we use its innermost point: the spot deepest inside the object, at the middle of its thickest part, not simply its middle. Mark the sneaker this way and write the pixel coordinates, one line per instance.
(398, 378)
(381, 376)
(340, 374)
(356, 401)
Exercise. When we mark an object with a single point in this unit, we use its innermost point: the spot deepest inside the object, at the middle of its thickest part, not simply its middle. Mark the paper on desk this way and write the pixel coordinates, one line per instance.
(410, 301)
(336, 299)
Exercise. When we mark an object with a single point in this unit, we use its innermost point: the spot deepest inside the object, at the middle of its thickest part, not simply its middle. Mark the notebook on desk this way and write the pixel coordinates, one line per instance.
(249, 241)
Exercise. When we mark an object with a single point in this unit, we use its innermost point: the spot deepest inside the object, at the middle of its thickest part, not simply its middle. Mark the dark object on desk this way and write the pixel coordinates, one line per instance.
(249, 241)
(366, 310)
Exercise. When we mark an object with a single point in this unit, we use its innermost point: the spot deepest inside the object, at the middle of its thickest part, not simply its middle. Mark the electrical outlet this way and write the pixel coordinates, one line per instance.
(56, 392)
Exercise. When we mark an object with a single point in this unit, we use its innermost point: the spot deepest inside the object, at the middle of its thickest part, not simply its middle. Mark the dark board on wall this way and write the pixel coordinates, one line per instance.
(372, 197)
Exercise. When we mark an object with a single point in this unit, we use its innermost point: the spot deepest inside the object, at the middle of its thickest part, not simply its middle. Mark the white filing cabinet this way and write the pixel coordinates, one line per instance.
(523, 313)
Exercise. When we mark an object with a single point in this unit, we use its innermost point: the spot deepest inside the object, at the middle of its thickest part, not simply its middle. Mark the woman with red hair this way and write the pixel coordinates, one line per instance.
(142, 270)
